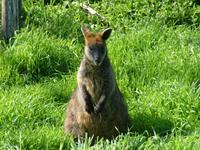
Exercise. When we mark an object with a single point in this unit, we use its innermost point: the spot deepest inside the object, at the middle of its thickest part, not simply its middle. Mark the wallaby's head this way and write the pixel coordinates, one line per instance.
(95, 46)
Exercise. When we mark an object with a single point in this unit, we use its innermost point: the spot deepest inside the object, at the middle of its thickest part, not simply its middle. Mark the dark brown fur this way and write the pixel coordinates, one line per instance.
(96, 106)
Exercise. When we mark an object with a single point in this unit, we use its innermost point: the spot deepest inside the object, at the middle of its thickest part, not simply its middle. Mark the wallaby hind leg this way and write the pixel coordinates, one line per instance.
(72, 126)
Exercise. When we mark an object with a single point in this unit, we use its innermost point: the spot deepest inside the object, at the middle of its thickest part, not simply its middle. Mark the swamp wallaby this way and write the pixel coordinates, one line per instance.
(97, 106)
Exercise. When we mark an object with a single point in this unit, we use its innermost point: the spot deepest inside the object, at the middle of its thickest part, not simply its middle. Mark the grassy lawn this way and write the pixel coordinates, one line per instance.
(155, 52)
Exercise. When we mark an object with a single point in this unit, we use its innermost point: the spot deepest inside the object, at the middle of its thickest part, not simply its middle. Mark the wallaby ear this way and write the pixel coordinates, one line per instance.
(106, 34)
(85, 31)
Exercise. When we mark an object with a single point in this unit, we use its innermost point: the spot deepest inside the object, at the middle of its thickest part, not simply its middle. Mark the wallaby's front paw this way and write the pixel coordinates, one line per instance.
(97, 110)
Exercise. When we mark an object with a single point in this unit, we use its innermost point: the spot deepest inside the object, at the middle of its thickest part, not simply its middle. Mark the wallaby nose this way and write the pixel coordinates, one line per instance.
(97, 60)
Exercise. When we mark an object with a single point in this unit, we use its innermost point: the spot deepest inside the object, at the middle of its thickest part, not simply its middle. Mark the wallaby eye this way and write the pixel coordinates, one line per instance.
(101, 47)
(97, 47)
(92, 48)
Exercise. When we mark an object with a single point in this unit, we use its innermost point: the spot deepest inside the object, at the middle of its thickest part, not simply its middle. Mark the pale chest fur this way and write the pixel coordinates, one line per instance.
(94, 84)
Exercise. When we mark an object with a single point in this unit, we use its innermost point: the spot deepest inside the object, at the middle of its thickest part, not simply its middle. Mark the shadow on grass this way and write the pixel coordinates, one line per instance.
(61, 98)
(149, 125)
(197, 2)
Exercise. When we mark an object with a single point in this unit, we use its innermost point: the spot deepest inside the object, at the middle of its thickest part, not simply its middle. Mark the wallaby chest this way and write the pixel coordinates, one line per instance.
(94, 82)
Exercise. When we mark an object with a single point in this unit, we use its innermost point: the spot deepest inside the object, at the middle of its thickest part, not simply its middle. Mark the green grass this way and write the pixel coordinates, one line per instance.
(154, 49)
